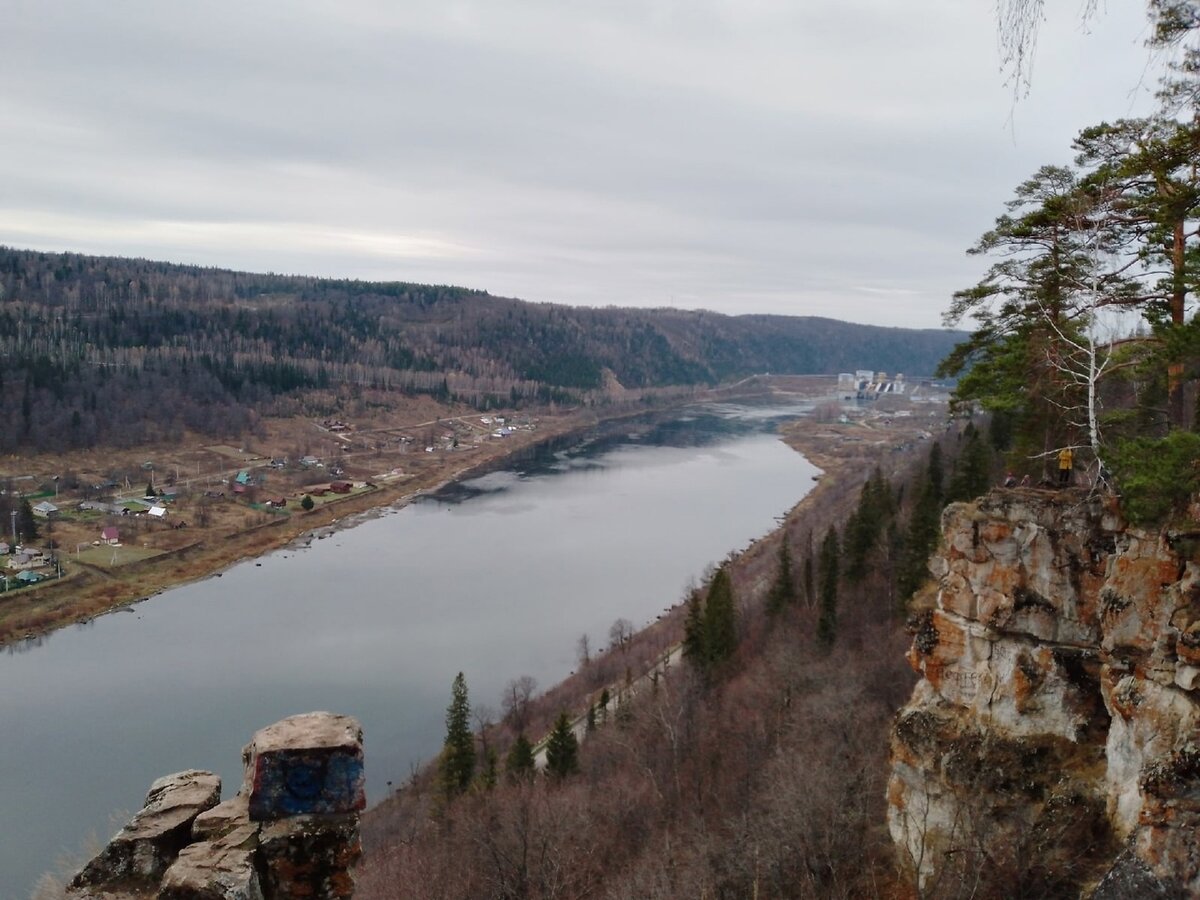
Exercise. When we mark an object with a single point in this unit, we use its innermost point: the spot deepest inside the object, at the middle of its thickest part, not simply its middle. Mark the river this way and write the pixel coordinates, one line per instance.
(496, 577)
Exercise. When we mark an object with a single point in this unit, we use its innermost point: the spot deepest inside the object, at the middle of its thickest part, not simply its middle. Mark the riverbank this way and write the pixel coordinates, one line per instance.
(90, 590)
(673, 745)
(391, 461)
(497, 578)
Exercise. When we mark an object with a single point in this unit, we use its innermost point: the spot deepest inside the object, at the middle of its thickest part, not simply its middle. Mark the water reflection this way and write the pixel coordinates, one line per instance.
(699, 428)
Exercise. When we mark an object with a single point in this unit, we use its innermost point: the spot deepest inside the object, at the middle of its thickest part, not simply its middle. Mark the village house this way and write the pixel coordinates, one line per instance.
(45, 510)
(29, 558)
(110, 535)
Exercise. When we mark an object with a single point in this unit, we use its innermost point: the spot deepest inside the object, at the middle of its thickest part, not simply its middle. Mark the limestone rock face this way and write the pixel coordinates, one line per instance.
(1061, 687)
(143, 849)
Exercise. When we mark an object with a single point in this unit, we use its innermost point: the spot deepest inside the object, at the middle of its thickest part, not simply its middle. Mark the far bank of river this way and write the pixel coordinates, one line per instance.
(496, 577)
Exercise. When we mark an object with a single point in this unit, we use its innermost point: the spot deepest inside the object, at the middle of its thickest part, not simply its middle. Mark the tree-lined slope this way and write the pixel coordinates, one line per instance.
(95, 348)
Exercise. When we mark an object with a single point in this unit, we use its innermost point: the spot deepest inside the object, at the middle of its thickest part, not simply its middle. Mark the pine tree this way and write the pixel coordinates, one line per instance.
(457, 764)
(307, 503)
(520, 762)
(562, 749)
(828, 575)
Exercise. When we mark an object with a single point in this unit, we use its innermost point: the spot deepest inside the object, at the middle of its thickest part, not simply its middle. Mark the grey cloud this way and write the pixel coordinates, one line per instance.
(634, 152)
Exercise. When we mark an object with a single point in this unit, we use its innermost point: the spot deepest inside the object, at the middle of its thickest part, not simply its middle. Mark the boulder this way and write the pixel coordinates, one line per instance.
(221, 869)
(141, 851)
(222, 818)
(291, 832)
(310, 764)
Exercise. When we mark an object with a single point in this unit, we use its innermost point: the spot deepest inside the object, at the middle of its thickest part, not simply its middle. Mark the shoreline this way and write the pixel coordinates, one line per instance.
(211, 556)
(89, 592)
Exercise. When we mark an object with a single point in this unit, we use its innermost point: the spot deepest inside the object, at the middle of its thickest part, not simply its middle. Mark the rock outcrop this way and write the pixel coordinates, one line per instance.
(291, 831)
(1055, 733)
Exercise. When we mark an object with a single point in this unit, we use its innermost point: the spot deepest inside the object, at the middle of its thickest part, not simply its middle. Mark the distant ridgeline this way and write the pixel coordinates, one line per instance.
(100, 349)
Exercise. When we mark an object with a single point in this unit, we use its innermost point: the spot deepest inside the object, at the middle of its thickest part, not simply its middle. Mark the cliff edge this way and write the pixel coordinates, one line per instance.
(1053, 741)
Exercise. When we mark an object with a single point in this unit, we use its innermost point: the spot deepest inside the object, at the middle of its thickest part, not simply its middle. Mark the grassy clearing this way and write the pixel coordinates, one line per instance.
(327, 499)
(231, 453)
(107, 557)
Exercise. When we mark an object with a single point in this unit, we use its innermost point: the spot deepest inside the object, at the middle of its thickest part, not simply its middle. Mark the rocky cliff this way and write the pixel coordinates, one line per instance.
(1052, 745)
(291, 831)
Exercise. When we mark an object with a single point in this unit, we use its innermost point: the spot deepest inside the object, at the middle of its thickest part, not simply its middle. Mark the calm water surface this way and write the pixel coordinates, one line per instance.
(497, 577)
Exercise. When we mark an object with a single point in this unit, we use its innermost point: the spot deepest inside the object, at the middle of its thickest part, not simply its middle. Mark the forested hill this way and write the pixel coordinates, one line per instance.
(90, 344)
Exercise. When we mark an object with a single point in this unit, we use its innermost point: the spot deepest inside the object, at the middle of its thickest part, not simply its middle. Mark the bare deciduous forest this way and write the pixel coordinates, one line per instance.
(761, 776)
(123, 352)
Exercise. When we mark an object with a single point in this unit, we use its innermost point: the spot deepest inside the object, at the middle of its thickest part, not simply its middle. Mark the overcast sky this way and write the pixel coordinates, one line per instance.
(807, 157)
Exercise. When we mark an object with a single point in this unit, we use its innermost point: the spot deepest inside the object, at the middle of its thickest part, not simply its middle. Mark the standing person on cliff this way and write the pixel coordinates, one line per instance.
(1066, 459)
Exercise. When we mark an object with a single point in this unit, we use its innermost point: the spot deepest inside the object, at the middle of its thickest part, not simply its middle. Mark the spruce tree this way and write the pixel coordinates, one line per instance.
(26, 522)
(693, 634)
(828, 575)
(457, 764)
(933, 470)
(710, 629)
(923, 530)
(720, 620)
(562, 749)
(783, 589)
(807, 577)
(488, 777)
(876, 507)
(972, 474)
(520, 762)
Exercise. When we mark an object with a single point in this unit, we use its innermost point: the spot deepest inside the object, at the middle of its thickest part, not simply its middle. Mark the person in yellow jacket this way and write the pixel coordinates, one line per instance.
(1066, 459)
